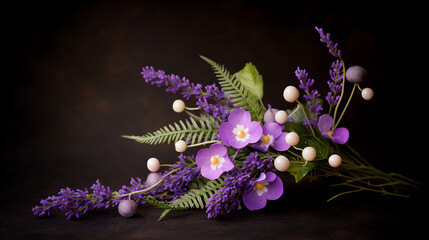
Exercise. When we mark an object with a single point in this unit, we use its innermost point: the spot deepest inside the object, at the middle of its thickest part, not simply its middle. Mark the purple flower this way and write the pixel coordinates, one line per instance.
(272, 136)
(325, 38)
(213, 101)
(267, 187)
(240, 130)
(338, 135)
(213, 161)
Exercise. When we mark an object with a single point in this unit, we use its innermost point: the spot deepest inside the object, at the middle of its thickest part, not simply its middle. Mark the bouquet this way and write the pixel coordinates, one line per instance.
(244, 145)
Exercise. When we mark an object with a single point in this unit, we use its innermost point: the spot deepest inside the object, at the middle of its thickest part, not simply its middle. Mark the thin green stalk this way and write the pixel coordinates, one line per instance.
(345, 108)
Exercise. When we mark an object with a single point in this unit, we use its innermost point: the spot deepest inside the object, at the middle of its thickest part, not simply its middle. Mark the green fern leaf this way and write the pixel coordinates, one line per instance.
(195, 198)
(239, 94)
(192, 131)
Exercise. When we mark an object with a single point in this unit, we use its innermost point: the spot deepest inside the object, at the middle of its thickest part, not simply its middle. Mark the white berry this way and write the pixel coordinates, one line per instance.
(153, 164)
(179, 106)
(292, 138)
(309, 153)
(180, 146)
(335, 160)
(367, 93)
(281, 163)
(291, 94)
(281, 117)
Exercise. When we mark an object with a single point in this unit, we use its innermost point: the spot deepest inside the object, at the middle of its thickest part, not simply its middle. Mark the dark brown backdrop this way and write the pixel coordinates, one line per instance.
(72, 87)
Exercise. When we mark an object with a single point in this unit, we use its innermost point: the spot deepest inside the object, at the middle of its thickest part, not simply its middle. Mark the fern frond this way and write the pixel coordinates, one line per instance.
(195, 198)
(192, 131)
(240, 96)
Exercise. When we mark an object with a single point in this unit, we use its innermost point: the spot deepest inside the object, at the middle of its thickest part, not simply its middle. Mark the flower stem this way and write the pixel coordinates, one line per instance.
(204, 143)
(147, 189)
(306, 117)
(344, 109)
(342, 89)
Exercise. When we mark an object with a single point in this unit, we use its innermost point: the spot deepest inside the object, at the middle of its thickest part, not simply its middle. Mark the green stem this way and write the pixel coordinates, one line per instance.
(147, 189)
(342, 89)
(344, 109)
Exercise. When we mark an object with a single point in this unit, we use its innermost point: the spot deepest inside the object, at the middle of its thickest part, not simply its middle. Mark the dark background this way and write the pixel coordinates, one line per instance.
(72, 86)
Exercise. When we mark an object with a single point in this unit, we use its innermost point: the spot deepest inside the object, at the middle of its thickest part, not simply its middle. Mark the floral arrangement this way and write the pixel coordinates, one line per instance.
(244, 146)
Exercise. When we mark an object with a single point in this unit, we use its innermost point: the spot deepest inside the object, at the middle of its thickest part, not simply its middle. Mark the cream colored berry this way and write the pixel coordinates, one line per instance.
(180, 146)
(309, 153)
(291, 94)
(281, 117)
(179, 106)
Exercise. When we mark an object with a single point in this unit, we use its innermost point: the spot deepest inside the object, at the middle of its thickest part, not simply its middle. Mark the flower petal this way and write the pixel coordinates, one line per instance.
(280, 143)
(218, 149)
(209, 173)
(275, 189)
(254, 202)
(239, 116)
(325, 123)
(255, 131)
(272, 129)
(225, 133)
(227, 165)
(270, 177)
(340, 135)
(258, 145)
(203, 157)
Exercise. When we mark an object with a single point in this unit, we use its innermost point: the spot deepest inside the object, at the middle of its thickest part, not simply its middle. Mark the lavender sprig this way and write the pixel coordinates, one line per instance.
(210, 98)
(235, 184)
(333, 47)
(75, 203)
(315, 106)
(335, 83)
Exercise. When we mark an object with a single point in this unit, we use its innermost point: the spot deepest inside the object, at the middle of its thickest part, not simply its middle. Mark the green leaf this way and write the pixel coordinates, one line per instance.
(191, 131)
(299, 170)
(251, 79)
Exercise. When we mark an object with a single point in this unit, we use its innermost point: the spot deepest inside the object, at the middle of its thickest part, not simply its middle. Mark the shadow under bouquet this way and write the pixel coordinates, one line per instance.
(243, 146)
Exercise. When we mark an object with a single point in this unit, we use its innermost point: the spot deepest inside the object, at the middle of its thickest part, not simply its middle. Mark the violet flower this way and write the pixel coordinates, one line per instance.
(338, 135)
(240, 130)
(267, 187)
(213, 161)
(272, 136)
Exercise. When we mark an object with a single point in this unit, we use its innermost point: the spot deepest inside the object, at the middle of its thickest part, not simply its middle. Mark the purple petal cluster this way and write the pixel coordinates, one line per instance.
(326, 38)
(310, 95)
(210, 98)
(335, 84)
(75, 203)
(135, 185)
(177, 183)
(235, 184)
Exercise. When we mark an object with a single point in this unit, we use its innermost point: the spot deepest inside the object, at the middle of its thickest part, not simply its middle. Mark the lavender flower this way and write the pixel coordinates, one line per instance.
(177, 183)
(213, 100)
(325, 38)
(235, 183)
(75, 203)
(315, 106)
(335, 83)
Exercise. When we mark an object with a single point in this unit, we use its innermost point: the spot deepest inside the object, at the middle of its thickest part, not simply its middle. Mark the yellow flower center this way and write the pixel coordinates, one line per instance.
(214, 160)
(259, 185)
(266, 139)
(241, 134)
(330, 133)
